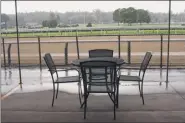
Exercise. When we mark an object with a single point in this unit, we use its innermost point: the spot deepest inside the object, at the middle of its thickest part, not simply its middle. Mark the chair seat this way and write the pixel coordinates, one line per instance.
(129, 78)
(67, 79)
(100, 89)
(99, 71)
(98, 78)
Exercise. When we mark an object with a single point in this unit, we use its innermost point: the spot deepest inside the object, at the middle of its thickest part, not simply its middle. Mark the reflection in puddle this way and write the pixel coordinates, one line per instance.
(7, 78)
(35, 80)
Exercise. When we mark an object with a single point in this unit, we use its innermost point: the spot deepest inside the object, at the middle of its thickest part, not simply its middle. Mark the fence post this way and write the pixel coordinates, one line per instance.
(66, 53)
(161, 52)
(77, 46)
(119, 46)
(4, 53)
(9, 55)
(39, 46)
(129, 52)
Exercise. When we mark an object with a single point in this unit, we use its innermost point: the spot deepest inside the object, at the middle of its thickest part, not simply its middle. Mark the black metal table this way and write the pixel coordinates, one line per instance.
(118, 61)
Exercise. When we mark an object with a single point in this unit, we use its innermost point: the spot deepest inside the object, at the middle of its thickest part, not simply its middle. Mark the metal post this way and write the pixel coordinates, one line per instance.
(18, 50)
(129, 52)
(161, 52)
(168, 48)
(40, 61)
(4, 54)
(77, 46)
(161, 76)
(66, 53)
(119, 46)
(9, 55)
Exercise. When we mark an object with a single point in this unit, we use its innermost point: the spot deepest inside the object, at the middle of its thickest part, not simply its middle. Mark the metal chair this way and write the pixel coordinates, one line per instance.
(141, 75)
(57, 80)
(100, 53)
(93, 84)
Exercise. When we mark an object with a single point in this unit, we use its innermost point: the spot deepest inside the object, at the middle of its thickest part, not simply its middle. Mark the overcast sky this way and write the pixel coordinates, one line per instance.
(63, 6)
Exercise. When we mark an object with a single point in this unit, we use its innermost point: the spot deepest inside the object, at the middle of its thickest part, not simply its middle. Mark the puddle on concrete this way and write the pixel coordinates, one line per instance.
(34, 80)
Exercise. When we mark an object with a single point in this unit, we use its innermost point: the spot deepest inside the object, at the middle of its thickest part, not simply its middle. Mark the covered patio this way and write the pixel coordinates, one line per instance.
(32, 102)
(25, 98)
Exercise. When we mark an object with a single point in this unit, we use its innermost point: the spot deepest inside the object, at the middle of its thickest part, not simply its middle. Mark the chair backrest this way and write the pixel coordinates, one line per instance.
(100, 53)
(50, 64)
(145, 63)
(108, 72)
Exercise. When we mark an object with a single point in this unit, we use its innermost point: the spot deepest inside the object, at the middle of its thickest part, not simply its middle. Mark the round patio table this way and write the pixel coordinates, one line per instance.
(118, 61)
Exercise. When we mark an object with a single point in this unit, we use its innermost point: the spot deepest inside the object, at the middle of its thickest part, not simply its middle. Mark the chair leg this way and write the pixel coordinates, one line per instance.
(85, 106)
(80, 95)
(139, 87)
(117, 96)
(110, 95)
(115, 106)
(143, 100)
(84, 101)
(142, 93)
(53, 94)
(57, 90)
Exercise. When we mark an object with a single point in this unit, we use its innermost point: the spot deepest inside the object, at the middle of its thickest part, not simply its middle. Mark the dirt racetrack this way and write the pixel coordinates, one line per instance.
(29, 52)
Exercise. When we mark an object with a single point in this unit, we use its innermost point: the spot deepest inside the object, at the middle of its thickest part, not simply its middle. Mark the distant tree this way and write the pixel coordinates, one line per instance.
(131, 15)
(122, 15)
(140, 16)
(116, 16)
(49, 23)
(89, 25)
(147, 18)
(143, 16)
(128, 15)
(45, 23)
(5, 18)
(53, 23)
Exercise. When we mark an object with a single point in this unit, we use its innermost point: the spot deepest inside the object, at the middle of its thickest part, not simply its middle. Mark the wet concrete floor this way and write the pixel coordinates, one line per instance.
(35, 80)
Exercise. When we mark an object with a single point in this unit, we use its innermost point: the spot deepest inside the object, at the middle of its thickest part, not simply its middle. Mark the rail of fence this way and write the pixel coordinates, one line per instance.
(91, 29)
(86, 35)
(129, 42)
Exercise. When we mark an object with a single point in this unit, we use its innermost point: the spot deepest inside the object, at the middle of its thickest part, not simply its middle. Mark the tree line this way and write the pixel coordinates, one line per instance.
(131, 15)
(4, 19)
(52, 21)
(122, 15)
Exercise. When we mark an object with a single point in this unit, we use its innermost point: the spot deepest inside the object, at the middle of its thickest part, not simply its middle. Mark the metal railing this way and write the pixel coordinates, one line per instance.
(90, 29)
(77, 41)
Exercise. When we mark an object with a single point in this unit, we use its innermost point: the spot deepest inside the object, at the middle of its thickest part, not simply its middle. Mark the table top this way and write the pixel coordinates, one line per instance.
(118, 61)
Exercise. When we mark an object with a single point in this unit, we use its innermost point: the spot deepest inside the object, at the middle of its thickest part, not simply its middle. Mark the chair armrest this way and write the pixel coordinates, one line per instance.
(134, 66)
(66, 69)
